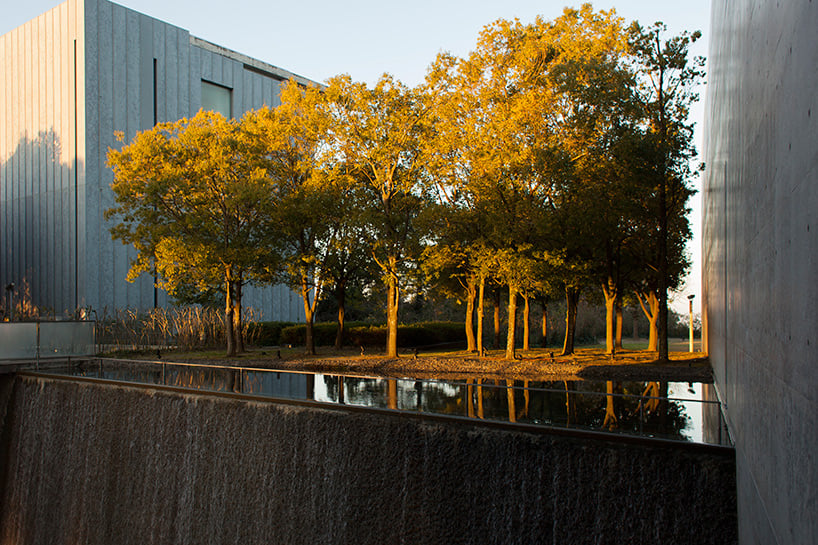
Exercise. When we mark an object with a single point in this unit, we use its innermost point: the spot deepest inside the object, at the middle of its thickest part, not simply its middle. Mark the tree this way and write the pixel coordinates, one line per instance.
(292, 140)
(194, 202)
(581, 59)
(667, 87)
(457, 260)
(454, 160)
(378, 133)
(348, 260)
(517, 268)
(490, 122)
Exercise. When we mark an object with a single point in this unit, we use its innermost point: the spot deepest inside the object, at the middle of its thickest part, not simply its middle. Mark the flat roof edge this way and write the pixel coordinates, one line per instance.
(251, 63)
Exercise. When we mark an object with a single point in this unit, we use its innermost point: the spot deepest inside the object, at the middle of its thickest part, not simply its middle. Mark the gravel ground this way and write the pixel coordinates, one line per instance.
(588, 364)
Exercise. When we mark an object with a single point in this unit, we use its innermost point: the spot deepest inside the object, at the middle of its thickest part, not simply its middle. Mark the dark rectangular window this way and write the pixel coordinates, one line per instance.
(217, 98)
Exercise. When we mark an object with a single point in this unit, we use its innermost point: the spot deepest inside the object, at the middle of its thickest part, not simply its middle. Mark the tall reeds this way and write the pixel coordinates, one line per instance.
(183, 328)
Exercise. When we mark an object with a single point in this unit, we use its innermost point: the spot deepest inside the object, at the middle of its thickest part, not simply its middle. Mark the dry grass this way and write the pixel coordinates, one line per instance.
(538, 364)
(187, 328)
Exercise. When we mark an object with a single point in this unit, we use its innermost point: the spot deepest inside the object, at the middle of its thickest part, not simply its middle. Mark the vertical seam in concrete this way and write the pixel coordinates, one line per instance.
(76, 190)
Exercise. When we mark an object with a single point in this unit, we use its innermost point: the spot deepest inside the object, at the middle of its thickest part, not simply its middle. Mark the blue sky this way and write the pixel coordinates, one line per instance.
(365, 38)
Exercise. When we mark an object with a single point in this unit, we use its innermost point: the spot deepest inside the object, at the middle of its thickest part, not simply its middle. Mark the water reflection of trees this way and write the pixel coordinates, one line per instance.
(609, 406)
(629, 407)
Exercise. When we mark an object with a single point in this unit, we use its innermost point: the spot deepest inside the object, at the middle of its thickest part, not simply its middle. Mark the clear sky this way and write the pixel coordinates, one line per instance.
(321, 38)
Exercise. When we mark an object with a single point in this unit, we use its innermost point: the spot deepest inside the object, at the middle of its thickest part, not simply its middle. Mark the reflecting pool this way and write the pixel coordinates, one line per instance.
(668, 410)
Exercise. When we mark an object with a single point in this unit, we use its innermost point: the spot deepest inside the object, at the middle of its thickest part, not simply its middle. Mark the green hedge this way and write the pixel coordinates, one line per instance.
(267, 333)
(361, 334)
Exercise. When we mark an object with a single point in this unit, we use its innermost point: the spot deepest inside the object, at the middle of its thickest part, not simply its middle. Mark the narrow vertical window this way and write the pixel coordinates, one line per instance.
(155, 95)
(155, 122)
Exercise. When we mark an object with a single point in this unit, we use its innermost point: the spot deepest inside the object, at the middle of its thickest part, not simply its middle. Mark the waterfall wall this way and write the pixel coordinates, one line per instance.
(107, 464)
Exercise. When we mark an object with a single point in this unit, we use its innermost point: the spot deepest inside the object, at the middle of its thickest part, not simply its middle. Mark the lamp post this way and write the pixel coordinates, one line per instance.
(690, 299)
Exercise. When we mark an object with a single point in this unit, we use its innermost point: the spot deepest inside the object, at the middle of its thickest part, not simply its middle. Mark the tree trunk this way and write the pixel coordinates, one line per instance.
(496, 344)
(310, 393)
(663, 261)
(526, 331)
(392, 312)
(340, 296)
(512, 410)
(610, 421)
(480, 294)
(309, 314)
(663, 407)
(652, 313)
(238, 320)
(609, 289)
(512, 322)
(392, 401)
(309, 337)
(571, 303)
(663, 219)
(618, 343)
(469, 399)
(228, 315)
(570, 403)
(480, 398)
(544, 323)
(471, 290)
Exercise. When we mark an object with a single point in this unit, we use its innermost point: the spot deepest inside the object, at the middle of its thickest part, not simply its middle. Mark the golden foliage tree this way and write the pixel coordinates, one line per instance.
(194, 200)
(292, 141)
(378, 135)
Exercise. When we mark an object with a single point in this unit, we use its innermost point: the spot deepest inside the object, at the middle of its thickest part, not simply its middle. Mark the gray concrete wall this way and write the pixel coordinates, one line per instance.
(65, 249)
(89, 463)
(120, 47)
(124, 44)
(41, 154)
(760, 248)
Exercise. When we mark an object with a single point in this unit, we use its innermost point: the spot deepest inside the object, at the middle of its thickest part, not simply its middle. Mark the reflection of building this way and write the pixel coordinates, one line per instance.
(68, 80)
(761, 257)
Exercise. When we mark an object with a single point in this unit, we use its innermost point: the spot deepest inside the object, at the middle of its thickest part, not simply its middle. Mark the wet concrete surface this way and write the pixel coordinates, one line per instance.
(91, 463)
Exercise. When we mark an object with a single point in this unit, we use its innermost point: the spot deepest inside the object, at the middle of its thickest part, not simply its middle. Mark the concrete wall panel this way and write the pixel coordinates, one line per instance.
(124, 102)
(760, 202)
(37, 153)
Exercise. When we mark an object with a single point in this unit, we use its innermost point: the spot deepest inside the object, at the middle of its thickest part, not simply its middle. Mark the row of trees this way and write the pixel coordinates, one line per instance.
(553, 159)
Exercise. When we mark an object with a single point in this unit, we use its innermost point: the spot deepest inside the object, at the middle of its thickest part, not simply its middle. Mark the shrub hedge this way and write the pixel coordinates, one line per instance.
(359, 334)
(267, 333)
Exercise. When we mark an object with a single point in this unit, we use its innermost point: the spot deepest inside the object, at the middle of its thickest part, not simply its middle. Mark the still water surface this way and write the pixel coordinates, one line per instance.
(679, 411)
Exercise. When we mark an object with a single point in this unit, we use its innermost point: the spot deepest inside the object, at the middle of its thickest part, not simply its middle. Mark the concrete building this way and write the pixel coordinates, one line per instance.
(68, 80)
(761, 257)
